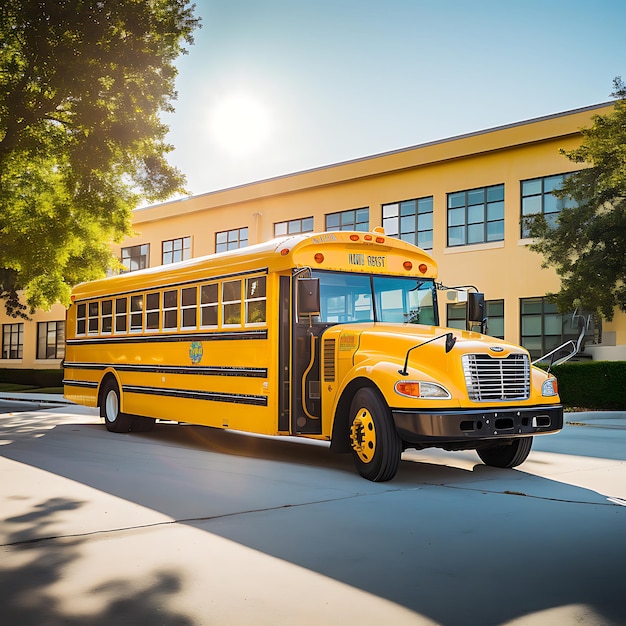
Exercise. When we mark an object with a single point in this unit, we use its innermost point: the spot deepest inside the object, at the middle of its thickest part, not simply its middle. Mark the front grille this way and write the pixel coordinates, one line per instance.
(490, 380)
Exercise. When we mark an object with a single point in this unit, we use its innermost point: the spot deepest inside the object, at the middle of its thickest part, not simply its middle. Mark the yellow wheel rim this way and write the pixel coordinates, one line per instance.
(363, 435)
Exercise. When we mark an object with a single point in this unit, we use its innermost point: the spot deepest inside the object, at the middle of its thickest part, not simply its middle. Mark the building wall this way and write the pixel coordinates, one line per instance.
(505, 270)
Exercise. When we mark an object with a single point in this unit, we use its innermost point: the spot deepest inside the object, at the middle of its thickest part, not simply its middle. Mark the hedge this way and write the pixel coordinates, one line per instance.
(598, 385)
(36, 378)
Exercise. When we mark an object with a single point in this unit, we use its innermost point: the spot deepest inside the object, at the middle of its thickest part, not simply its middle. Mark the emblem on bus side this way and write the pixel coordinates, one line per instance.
(195, 352)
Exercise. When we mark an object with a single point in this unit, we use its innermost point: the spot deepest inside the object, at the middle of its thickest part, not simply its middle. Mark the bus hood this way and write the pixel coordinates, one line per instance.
(427, 344)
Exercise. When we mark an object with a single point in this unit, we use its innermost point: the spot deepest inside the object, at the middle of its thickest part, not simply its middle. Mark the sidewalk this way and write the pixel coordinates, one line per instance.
(42, 399)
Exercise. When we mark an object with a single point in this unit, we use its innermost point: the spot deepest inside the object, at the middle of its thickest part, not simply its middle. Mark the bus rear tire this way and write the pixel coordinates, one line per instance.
(114, 420)
(510, 454)
(376, 446)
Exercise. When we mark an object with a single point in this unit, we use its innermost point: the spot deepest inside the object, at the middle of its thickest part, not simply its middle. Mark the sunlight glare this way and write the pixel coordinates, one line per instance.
(240, 124)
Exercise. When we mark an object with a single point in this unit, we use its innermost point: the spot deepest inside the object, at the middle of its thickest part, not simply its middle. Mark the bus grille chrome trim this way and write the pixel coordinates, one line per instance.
(490, 379)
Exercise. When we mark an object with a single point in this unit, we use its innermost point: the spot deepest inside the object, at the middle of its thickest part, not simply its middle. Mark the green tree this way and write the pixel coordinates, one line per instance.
(587, 246)
(82, 86)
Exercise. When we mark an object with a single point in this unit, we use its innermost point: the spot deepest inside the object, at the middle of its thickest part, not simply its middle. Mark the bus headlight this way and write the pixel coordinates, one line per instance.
(420, 389)
(550, 387)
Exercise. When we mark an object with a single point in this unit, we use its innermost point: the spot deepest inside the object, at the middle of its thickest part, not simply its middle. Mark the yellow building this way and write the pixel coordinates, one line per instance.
(459, 198)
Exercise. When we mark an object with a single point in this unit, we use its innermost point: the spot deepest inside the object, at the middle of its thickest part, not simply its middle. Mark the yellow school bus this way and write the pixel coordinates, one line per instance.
(333, 336)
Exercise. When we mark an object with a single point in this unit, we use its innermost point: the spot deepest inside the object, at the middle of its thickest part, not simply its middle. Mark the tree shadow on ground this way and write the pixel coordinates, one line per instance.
(34, 562)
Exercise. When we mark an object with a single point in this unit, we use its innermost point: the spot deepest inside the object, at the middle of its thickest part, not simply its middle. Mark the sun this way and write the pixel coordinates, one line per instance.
(240, 124)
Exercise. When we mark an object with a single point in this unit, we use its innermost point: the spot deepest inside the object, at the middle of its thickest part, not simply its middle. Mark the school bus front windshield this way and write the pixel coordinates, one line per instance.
(348, 297)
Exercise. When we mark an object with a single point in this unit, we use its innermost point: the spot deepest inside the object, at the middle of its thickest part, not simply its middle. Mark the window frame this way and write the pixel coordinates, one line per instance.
(58, 346)
(465, 215)
(234, 239)
(395, 216)
(550, 216)
(129, 254)
(180, 245)
(13, 349)
(351, 219)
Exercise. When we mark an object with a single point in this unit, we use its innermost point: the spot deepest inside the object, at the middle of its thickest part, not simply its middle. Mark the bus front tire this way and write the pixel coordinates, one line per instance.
(509, 454)
(376, 446)
(114, 420)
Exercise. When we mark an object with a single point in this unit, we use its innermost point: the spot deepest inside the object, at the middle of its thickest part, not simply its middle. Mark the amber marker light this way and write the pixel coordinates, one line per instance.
(319, 257)
(354, 237)
(408, 388)
(380, 240)
(284, 251)
(407, 265)
(423, 268)
(367, 238)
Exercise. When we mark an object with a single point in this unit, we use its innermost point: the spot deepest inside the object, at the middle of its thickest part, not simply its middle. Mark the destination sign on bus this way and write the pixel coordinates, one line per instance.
(367, 260)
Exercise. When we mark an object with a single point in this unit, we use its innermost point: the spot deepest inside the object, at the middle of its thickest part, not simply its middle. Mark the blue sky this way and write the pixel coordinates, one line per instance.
(273, 87)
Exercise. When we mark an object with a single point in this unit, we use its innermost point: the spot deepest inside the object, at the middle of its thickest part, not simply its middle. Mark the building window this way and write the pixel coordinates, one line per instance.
(231, 239)
(538, 199)
(50, 340)
(135, 257)
(292, 227)
(175, 250)
(543, 328)
(410, 220)
(13, 341)
(494, 311)
(476, 216)
(355, 219)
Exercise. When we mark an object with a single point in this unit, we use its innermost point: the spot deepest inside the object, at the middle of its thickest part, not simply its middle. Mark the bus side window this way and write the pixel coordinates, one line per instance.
(170, 309)
(81, 319)
(188, 302)
(255, 300)
(153, 311)
(208, 305)
(121, 306)
(231, 303)
(107, 316)
(94, 318)
(136, 314)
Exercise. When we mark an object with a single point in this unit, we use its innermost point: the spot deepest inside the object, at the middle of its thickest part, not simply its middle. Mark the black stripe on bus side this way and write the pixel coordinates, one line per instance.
(225, 336)
(213, 396)
(80, 383)
(264, 271)
(206, 370)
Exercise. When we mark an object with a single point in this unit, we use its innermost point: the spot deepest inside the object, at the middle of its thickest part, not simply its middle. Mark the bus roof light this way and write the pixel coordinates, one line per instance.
(284, 251)
(367, 237)
(380, 240)
(354, 237)
(423, 268)
(319, 257)
(407, 265)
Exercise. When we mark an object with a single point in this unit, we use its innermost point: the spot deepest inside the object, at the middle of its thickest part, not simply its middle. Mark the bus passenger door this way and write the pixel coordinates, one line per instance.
(304, 365)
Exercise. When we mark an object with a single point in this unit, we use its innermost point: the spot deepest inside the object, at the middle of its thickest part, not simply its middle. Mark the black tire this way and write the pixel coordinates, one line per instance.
(115, 421)
(142, 424)
(376, 446)
(511, 453)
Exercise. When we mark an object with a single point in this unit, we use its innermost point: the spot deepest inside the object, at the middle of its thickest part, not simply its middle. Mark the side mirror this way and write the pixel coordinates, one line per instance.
(308, 293)
(475, 307)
